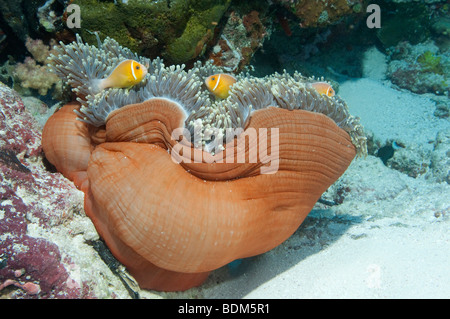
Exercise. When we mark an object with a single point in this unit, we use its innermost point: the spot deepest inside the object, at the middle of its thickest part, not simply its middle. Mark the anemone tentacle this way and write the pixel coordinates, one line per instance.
(80, 64)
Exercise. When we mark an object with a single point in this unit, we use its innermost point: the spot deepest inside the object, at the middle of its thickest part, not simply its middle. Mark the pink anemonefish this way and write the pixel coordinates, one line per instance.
(219, 84)
(125, 75)
(323, 88)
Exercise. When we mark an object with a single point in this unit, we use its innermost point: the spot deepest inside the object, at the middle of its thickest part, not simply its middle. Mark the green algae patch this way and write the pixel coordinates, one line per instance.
(430, 62)
(198, 31)
(172, 29)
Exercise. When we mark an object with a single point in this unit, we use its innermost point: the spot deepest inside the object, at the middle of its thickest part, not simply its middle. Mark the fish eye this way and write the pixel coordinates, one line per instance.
(137, 67)
(213, 78)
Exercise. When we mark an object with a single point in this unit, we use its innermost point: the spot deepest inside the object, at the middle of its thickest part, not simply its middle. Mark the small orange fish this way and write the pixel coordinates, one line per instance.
(323, 88)
(219, 84)
(125, 75)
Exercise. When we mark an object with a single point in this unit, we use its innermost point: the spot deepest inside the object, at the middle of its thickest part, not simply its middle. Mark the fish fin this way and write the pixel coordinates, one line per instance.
(98, 85)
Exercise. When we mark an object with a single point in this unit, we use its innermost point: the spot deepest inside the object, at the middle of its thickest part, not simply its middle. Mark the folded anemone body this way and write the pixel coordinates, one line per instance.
(174, 195)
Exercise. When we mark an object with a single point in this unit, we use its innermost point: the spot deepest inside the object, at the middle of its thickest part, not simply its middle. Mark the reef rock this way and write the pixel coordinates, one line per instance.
(242, 36)
(44, 234)
(321, 13)
(440, 158)
(177, 30)
(20, 19)
(411, 160)
(421, 68)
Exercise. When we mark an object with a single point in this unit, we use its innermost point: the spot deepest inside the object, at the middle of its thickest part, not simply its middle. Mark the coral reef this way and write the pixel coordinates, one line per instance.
(22, 19)
(47, 16)
(27, 260)
(430, 62)
(179, 226)
(411, 160)
(442, 108)
(117, 145)
(34, 73)
(78, 64)
(240, 38)
(420, 68)
(321, 13)
(440, 159)
(44, 234)
(38, 50)
(442, 26)
(12, 12)
(31, 75)
(332, 51)
(19, 134)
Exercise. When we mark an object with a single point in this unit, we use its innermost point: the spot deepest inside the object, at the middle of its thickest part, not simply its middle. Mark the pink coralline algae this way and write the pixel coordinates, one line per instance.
(29, 287)
(420, 68)
(30, 196)
(18, 133)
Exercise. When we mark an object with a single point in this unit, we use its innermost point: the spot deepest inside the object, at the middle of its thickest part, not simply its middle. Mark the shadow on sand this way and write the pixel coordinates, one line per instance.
(319, 230)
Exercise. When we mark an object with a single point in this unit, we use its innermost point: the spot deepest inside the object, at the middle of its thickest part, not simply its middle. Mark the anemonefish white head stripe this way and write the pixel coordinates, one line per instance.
(323, 88)
(217, 83)
(132, 69)
(220, 84)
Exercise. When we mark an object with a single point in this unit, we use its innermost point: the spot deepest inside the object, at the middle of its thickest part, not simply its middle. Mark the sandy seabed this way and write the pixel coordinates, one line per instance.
(390, 237)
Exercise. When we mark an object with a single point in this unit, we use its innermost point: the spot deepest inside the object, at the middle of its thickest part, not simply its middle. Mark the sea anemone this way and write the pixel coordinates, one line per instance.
(172, 192)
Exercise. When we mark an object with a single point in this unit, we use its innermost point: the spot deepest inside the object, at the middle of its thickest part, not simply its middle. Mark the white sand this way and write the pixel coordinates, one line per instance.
(392, 114)
(390, 238)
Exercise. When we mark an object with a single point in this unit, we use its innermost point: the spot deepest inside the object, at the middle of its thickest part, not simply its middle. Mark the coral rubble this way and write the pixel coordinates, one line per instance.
(420, 68)
(240, 38)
